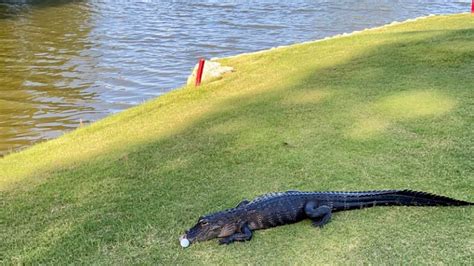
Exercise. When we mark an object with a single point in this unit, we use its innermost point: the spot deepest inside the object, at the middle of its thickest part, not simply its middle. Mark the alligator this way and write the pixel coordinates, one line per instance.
(280, 208)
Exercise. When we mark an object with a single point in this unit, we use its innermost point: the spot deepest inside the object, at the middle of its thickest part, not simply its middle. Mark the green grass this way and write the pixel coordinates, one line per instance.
(384, 109)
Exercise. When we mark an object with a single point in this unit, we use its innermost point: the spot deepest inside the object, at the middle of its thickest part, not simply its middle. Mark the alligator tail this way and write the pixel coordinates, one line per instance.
(397, 197)
(415, 198)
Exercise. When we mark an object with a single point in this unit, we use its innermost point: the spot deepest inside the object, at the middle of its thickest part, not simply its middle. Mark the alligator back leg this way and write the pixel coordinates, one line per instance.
(319, 214)
(244, 234)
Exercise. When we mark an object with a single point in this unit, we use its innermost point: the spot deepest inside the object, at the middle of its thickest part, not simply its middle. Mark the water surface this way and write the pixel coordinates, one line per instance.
(63, 63)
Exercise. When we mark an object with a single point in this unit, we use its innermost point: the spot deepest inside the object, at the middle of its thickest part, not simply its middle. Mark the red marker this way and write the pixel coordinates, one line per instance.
(472, 6)
(199, 71)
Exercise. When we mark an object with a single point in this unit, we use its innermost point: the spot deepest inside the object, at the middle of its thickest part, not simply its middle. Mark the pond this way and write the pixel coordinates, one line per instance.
(63, 63)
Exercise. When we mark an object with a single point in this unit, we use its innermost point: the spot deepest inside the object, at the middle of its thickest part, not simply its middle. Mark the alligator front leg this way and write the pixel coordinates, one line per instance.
(244, 234)
(319, 214)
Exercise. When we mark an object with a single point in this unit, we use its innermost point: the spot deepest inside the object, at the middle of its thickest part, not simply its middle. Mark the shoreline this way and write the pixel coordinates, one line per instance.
(16, 150)
(345, 34)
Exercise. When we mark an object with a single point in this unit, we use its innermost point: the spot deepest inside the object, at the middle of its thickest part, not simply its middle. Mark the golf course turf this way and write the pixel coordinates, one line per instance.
(388, 108)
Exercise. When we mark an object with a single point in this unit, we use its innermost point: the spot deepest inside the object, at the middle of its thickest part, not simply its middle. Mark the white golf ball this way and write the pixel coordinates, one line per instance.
(184, 243)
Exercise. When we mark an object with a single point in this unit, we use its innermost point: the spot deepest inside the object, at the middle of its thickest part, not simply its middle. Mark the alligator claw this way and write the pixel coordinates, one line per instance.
(318, 224)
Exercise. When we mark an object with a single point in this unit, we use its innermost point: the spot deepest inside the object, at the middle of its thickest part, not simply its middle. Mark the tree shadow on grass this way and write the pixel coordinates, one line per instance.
(132, 207)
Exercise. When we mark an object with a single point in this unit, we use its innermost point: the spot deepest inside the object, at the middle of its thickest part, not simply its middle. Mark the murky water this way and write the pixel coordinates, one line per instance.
(63, 62)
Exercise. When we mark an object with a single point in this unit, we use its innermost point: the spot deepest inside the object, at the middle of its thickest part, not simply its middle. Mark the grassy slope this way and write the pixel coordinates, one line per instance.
(388, 108)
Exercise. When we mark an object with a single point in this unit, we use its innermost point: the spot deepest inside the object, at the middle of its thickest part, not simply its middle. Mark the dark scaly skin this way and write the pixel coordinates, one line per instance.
(282, 208)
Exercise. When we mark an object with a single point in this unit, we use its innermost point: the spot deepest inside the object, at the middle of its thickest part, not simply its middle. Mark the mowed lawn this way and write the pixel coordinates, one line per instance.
(388, 108)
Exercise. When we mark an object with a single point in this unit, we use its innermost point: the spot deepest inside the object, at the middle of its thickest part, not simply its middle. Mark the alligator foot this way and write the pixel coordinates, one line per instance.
(244, 235)
(319, 214)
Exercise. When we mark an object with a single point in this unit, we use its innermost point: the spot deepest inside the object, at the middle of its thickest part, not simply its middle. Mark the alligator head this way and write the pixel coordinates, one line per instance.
(212, 226)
